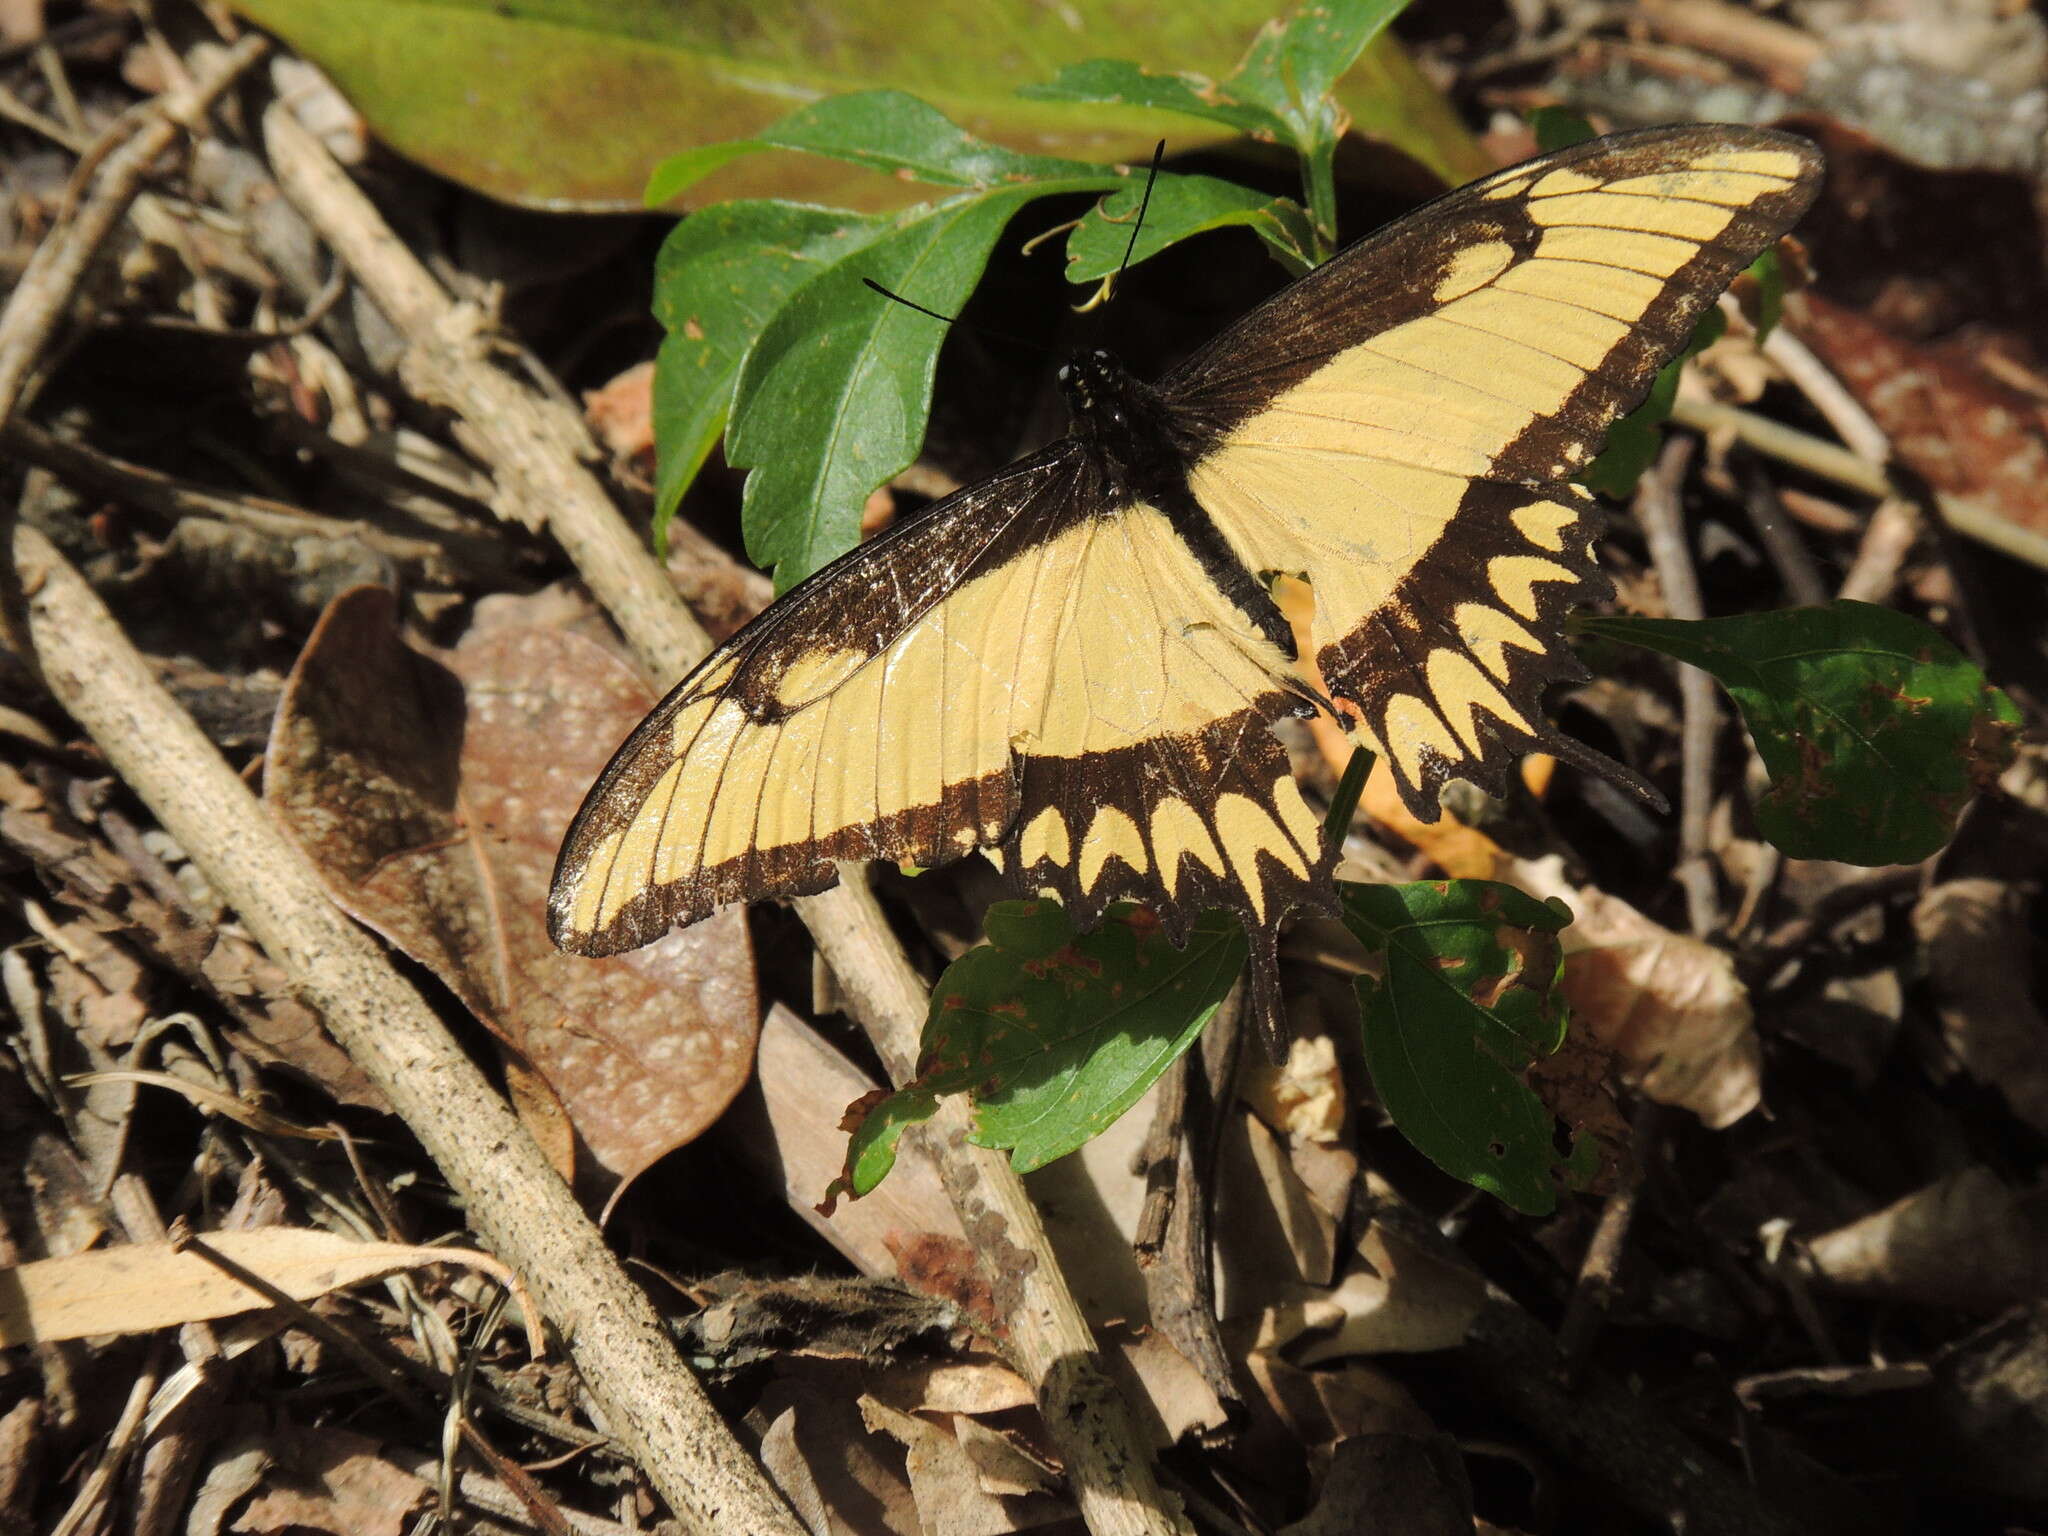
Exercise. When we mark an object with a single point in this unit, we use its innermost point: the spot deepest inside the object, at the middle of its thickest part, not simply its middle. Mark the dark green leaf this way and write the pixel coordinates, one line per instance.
(720, 276)
(886, 131)
(1182, 206)
(1115, 82)
(1633, 441)
(833, 397)
(1337, 823)
(1054, 1035)
(1558, 128)
(1463, 1005)
(1876, 731)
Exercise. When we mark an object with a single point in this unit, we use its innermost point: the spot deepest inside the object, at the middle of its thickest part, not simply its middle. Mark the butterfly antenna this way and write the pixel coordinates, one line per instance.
(1103, 294)
(1022, 341)
(1151, 176)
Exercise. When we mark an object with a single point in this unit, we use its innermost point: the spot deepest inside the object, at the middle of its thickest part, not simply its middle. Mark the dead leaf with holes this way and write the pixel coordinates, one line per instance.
(432, 793)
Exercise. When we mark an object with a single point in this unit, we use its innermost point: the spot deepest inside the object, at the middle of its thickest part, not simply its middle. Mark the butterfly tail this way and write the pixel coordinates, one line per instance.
(1269, 1012)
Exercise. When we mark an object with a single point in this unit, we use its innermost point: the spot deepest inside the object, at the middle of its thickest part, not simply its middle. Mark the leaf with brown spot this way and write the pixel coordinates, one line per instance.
(433, 797)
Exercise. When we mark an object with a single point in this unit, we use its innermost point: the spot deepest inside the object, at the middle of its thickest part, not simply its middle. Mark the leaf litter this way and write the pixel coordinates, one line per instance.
(1858, 1179)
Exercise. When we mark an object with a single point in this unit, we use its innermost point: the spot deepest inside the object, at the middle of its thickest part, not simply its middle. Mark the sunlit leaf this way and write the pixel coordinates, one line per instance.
(1876, 731)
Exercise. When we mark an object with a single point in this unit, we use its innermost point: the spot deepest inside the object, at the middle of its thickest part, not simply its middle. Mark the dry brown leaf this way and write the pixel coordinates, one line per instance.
(21, 1462)
(621, 413)
(1399, 1483)
(1319, 1408)
(140, 1286)
(1968, 1241)
(433, 798)
(970, 1386)
(784, 1463)
(1970, 435)
(859, 1475)
(1974, 941)
(332, 1480)
(947, 1483)
(1007, 1468)
(1671, 1007)
(1310, 1230)
(1394, 1298)
(1302, 1097)
(1462, 852)
(787, 1125)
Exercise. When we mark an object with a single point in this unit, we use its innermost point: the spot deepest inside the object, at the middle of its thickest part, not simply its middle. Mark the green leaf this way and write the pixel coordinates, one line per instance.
(1633, 441)
(834, 397)
(1183, 206)
(886, 131)
(1875, 730)
(1116, 82)
(1558, 128)
(1054, 1035)
(567, 103)
(1293, 65)
(1337, 821)
(1292, 69)
(1463, 1005)
(1769, 276)
(721, 274)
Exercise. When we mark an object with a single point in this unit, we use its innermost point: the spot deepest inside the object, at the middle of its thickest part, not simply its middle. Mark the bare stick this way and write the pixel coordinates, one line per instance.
(39, 302)
(513, 1197)
(533, 446)
(1663, 524)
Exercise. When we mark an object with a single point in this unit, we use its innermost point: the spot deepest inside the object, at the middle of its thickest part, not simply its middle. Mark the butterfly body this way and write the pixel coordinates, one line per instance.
(1073, 664)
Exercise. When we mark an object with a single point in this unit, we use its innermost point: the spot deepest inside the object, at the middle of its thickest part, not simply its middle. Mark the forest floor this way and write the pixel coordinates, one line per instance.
(308, 497)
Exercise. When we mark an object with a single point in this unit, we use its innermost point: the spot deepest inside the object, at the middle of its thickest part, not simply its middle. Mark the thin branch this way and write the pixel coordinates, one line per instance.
(42, 298)
(1662, 518)
(513, 1196)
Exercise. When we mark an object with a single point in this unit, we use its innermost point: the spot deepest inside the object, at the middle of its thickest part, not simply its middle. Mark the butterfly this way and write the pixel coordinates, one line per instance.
(1073, 664)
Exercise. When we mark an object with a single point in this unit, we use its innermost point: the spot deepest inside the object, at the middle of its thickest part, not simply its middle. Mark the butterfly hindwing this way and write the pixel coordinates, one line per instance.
(1402, 424)
(1032, 666)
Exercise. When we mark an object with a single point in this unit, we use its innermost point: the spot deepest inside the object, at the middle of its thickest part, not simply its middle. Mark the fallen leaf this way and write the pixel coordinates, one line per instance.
(1971, 932)
(137, 1287)
(433, 795)
(621, 413)
(1670, 1006)
(1980, 442)
(1969, 1241)
(334, 1480)
(947, 1483)
(1399, 1483)
(1302, 1097)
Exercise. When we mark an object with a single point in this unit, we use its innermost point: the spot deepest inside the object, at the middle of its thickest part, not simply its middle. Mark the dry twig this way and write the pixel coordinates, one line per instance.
(40, 301)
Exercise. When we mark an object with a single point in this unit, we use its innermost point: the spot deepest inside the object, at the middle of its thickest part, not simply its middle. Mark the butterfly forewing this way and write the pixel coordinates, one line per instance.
(1402, 424)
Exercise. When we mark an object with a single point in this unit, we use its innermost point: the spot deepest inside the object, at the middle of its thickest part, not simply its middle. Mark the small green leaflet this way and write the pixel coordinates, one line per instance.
(1053, 1034)
(1876, 731)
(1463, 1004)
(835, 386)
(1281, 93)
(1181, 207)
(721, 275)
